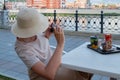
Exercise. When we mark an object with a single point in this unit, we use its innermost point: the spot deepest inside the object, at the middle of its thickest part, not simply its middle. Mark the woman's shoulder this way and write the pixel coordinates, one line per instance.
(41, 36)
(21, 46)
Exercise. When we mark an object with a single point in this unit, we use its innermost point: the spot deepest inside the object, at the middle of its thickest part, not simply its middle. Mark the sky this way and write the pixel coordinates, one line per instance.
(100, 1)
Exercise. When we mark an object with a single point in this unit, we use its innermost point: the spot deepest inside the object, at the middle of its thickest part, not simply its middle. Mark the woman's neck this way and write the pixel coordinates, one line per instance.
(27, 40)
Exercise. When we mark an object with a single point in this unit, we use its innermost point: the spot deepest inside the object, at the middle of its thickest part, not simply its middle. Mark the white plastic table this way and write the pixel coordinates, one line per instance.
(87, 60)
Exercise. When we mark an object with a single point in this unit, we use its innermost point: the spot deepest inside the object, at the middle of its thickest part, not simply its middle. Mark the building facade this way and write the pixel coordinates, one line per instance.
(15, 4)
(63, 4)
(78, 4)
(44, 3)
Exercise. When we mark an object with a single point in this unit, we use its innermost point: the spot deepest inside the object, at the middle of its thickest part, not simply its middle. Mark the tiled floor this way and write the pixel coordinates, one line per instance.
(11, 65)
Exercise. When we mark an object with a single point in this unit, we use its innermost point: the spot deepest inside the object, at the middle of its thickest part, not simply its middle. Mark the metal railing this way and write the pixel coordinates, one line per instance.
(99, 23)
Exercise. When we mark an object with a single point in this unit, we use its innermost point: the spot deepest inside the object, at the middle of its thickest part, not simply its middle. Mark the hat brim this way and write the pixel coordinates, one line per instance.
(29, 32)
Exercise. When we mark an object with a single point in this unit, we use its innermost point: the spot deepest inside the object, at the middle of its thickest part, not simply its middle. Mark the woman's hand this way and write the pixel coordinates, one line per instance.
(59, 35)
(48, 32)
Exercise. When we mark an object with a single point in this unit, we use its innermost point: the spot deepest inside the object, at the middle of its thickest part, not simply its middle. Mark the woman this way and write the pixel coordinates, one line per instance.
(32, 46)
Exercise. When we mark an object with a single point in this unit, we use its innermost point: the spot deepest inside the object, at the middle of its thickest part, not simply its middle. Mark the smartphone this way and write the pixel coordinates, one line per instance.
(52, 27)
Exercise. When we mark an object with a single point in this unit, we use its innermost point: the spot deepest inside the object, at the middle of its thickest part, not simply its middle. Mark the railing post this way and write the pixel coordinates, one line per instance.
(76, 20)
(4, 7)
(101, 21)
(54, 16)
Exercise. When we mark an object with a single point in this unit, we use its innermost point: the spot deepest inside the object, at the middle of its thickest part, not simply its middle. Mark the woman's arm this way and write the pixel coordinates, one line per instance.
(50, 70)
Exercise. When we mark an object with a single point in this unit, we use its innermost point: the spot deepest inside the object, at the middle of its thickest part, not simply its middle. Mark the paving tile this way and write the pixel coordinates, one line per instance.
(9, 65)
(9, 72)
(21, 69)
(9, 58)
(2, 55)
(105, 78)
(2, 70)
(12, 53)
(3, 62)
(96, 77)
(22, 77)
(18, 61)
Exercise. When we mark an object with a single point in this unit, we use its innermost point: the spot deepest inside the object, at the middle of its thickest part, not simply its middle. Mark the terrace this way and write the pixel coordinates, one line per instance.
(78, 30)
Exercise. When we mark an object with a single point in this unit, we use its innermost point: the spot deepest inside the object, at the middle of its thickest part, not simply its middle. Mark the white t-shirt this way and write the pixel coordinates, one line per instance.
(33, 52)
(39, 50)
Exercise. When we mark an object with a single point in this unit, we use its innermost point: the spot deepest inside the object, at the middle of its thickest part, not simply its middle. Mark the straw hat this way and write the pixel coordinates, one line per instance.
(29, 22)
